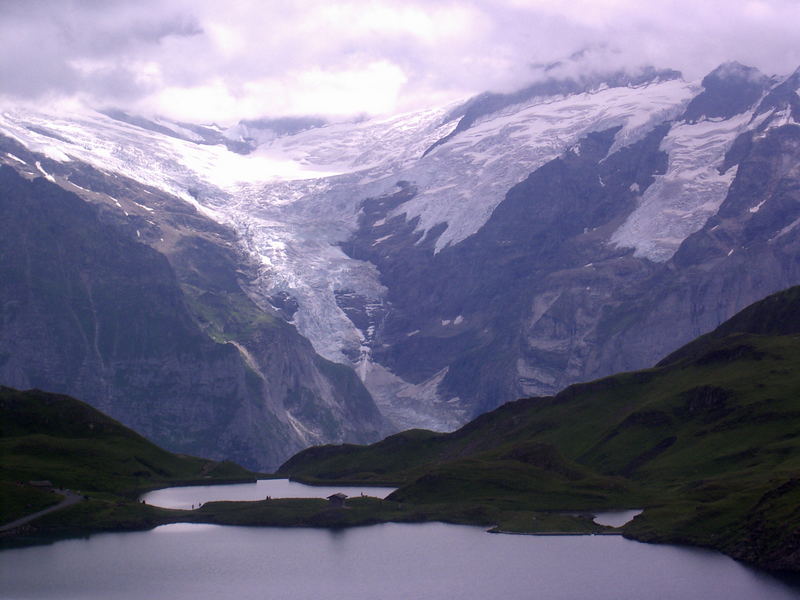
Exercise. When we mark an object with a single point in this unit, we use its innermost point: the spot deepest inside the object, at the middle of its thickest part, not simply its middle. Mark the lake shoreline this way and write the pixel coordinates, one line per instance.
(551, 533)
(52, 533)
(105, 515)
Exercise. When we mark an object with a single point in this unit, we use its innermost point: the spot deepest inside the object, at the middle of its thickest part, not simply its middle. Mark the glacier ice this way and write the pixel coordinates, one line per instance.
(295, 199)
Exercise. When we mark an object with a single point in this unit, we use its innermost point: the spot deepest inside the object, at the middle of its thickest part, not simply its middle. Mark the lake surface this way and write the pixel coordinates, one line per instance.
(185, 497)
(429, 561)
(615, 518)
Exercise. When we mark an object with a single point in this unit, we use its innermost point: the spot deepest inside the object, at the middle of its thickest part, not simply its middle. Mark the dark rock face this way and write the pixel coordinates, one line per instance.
(728, 90)
(476, 294)
(285, 303)
(89, 312)
(187, 360)
(784, 97)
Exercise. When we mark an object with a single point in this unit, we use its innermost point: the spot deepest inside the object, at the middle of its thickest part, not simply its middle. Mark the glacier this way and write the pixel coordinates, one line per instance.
(295, 199)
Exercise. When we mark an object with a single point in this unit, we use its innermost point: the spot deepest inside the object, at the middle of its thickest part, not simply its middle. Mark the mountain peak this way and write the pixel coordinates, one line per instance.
(730, 89)
(735, 71)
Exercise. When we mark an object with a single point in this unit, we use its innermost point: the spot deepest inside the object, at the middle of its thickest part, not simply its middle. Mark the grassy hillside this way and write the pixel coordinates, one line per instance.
(733, 409)
(62, 440)
(707, 441)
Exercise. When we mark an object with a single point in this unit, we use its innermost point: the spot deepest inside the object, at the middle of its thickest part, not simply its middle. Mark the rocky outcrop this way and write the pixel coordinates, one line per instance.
(730, 89)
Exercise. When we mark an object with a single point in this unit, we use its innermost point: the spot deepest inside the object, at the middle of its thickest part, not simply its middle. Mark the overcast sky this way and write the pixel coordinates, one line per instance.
(222, 60)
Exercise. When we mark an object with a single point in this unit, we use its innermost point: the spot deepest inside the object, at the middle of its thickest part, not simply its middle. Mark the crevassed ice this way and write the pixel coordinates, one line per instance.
(679, 202)
(291, 201)
(460, 183)
(296, 199)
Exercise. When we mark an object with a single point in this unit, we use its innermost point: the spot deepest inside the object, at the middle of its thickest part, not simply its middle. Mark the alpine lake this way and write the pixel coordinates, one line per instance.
(387, 561)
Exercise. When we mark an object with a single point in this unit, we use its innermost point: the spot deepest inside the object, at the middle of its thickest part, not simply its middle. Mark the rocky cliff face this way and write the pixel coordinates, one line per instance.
(747, 248)
(188, 359)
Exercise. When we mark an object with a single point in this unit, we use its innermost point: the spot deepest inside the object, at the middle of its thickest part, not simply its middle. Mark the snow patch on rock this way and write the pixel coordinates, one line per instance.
(44, 173)
(409, 405)
(679, 202)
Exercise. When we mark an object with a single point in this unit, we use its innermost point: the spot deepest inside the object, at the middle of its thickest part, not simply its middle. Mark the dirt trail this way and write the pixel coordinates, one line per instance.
(70, 498)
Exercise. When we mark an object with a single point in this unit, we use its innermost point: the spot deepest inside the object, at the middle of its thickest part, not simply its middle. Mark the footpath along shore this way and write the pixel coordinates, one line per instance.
(70, 498)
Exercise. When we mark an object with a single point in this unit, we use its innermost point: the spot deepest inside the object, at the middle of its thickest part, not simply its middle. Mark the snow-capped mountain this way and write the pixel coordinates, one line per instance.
(461, 256)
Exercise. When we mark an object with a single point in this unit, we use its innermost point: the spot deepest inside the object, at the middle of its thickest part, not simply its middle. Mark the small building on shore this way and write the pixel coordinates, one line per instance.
(44, 483)
(337, 500)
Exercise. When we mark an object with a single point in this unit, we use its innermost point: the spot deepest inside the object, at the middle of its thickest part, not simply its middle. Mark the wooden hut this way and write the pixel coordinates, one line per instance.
(337, 499)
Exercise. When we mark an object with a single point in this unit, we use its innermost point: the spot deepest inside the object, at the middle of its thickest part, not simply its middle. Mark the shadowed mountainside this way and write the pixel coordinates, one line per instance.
(175, 350)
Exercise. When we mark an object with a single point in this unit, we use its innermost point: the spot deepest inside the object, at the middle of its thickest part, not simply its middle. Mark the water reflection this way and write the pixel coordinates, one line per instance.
(615, 518)
(390, 561)
(183, 528)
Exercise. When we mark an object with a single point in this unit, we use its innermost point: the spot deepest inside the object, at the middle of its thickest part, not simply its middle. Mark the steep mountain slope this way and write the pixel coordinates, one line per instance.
(739, 346)
(89, 310)
(603, 259)
(42, 435)
(508, 245)
(64, 443)
(706, 441)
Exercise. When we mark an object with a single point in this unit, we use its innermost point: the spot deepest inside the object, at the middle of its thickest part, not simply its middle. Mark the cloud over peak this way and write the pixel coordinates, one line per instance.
(205, 60)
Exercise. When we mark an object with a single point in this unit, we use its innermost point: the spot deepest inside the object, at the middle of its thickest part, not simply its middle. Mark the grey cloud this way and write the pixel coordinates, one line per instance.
(498, 48)
(43, 42)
